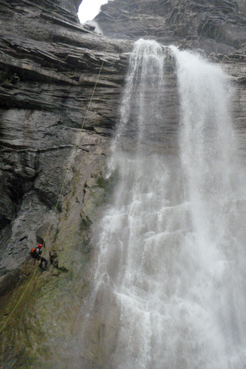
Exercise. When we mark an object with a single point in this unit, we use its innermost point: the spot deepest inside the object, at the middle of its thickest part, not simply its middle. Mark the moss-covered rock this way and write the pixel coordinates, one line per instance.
(48, 305)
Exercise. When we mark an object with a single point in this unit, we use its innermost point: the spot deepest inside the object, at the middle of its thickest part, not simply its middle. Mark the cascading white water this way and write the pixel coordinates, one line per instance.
(215, 188)
(171, 254)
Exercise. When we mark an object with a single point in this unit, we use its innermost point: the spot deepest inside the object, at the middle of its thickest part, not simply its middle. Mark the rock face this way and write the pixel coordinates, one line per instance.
(49, 68)
(60, 89)
(217, 27)
(213, 25)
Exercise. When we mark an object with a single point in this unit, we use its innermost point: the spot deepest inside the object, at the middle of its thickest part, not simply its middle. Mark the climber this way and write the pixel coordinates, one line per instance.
(36, 254)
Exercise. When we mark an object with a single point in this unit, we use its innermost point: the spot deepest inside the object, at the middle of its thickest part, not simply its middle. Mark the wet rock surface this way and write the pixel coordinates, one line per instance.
(50, 66)
(214, 25)
(214, 28)
(60, 91)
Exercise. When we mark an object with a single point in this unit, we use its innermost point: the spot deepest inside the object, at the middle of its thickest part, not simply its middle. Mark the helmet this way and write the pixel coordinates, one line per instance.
(40, 246)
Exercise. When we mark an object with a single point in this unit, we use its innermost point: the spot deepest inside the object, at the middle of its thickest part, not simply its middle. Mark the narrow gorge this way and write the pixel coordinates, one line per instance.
(124, 153)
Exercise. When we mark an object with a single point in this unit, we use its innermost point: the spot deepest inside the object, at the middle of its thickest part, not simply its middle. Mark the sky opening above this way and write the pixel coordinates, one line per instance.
(89, 9)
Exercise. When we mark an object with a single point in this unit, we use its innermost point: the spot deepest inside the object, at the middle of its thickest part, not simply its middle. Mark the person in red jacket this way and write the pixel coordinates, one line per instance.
(36, 255)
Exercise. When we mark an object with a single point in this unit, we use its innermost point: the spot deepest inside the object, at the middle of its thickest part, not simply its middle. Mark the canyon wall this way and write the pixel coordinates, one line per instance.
(60, 94)
(216, 28)
(213, 25)
(49, 68)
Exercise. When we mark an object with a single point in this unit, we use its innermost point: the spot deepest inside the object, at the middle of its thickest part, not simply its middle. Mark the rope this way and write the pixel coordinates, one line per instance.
(60, 193)
(71, 159)
(18, 302)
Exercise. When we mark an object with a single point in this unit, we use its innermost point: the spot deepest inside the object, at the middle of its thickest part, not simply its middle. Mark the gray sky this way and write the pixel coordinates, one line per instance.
(89, 9)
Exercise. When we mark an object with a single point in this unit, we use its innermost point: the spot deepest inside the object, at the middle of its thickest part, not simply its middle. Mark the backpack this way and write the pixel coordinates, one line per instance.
(34, 253)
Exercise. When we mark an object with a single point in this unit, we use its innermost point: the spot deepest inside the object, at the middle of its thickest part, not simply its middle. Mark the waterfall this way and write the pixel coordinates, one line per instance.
(170, 272)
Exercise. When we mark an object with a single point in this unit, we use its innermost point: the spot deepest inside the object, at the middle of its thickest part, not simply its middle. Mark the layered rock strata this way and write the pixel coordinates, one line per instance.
(217, 28)
(214, 25)
(49, 68)
(60, 91)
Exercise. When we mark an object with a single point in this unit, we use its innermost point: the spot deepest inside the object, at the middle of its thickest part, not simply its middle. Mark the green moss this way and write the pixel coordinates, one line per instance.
(28, 364)
(101, 181)
(108, 184)
(48, 314)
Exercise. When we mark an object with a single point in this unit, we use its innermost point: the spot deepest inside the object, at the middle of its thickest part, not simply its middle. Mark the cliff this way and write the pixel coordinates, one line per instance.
(216, 28)
(60, 91)
(213, 25)
(49, 68)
